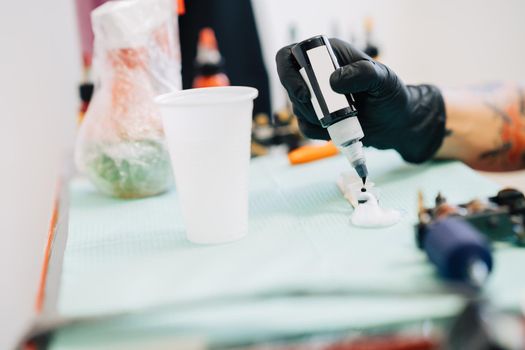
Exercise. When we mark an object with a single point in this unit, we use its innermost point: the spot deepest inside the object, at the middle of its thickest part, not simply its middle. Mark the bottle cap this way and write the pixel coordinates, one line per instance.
(345, 131)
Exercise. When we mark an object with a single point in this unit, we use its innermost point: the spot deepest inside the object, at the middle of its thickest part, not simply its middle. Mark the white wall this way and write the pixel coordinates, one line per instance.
(446, 42)
(455, 42)
(39, 70)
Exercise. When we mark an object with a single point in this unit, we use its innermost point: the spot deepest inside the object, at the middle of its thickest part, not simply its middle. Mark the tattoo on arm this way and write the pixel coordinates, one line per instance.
(499, 112)
(497, 152)
(510, 151)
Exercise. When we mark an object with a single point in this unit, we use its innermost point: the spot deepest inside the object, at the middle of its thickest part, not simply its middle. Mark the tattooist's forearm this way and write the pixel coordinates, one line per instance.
(486, 127)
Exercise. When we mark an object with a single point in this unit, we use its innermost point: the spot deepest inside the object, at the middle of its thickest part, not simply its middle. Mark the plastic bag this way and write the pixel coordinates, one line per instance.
(121, 145)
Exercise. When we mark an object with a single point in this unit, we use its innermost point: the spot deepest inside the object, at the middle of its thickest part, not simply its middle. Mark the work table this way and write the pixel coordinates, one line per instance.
(301, 269)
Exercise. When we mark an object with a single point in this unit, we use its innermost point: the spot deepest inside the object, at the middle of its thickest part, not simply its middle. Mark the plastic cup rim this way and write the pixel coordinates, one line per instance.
(177, 98)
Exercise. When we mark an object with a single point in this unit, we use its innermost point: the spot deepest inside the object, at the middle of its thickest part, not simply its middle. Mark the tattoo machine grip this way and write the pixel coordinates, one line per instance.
(458, 250)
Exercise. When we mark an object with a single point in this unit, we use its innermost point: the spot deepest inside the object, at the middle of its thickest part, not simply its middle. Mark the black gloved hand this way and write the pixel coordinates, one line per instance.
(409, 119)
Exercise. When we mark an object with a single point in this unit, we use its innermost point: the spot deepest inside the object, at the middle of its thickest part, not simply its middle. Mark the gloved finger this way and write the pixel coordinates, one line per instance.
(288, 71)
(312, 131)
(360, 76)
(346, 53)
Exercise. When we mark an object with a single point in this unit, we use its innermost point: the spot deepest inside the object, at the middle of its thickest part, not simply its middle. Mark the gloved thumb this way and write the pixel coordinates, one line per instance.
(360, 76)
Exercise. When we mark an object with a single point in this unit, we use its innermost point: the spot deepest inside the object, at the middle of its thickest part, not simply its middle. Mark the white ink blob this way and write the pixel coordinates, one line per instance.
(368, 213)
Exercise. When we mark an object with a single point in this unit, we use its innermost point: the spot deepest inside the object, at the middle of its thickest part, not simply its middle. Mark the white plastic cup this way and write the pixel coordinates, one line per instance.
(208, 133)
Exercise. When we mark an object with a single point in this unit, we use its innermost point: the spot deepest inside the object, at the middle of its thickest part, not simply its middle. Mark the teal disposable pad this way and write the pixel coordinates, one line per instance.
(124, 256)
(250, 320)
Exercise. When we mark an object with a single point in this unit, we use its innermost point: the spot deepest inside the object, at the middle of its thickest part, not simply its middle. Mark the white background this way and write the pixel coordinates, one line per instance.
(445, 42)
(39, 70)
(450, 42)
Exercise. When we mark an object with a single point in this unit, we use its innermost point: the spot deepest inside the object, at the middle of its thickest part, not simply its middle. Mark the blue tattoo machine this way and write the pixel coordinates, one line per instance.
(457, 238)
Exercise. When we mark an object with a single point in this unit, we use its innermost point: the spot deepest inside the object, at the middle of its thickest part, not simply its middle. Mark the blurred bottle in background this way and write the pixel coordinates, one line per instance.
(85, 89)
(209, 64)
(233, 23)
(280, 131)
(371, 47)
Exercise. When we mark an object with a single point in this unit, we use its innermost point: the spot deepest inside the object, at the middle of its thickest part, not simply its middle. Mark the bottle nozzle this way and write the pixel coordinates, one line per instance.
(362, 171)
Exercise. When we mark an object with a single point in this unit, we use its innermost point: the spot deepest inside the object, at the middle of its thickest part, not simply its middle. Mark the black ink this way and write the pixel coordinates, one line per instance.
(496, 152)
(502, 114)
(363, 189)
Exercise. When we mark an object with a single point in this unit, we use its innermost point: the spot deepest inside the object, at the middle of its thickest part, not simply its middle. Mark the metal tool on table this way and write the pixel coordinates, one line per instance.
(456, 237)
(336, 112)
(482, 326)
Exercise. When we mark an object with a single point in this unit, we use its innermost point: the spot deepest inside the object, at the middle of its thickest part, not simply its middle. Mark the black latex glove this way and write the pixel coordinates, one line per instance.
(409, 119)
